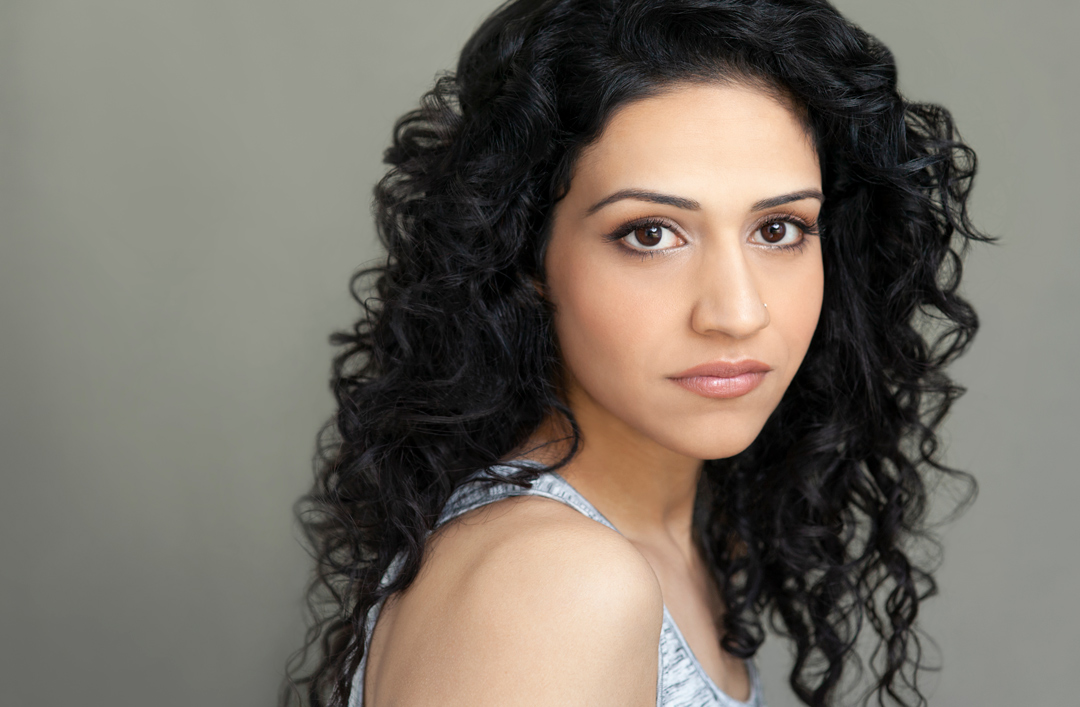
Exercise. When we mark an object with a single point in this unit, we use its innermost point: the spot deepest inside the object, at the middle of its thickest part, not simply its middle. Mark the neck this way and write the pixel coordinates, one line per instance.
(646, 490)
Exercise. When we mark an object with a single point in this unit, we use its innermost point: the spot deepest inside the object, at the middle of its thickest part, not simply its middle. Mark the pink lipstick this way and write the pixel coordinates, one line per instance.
(723, 379)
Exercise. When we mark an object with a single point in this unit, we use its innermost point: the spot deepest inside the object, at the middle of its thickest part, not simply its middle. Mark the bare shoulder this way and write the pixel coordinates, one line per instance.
(524, 601)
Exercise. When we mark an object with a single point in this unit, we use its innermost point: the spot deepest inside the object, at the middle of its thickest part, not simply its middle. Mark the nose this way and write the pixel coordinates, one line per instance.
(726, 297)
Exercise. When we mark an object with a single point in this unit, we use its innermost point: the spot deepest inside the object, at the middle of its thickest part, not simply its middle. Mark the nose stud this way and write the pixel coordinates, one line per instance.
(769, 318)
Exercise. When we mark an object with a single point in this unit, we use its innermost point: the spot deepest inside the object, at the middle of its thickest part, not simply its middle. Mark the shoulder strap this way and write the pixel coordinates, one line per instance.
(550, 485)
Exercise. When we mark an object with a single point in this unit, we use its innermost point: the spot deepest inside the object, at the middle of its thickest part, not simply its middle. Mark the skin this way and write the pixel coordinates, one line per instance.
(627, 321)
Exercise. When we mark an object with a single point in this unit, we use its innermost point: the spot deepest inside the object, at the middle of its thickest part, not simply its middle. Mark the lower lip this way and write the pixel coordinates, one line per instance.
(716, 387)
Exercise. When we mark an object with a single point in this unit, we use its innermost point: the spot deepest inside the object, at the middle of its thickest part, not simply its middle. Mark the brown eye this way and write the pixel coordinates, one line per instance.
(775, 231)
(649, 235)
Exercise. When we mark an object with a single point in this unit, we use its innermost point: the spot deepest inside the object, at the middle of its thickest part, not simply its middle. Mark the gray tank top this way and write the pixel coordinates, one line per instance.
(680, 682)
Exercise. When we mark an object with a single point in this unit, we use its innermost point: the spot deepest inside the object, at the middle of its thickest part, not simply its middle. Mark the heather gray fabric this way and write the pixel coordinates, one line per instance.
(681, 681)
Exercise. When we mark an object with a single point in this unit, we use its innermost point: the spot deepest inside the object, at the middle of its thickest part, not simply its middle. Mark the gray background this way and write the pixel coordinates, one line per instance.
(184, 192)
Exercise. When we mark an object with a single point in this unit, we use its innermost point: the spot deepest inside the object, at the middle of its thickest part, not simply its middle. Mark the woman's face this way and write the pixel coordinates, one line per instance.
(694, 210)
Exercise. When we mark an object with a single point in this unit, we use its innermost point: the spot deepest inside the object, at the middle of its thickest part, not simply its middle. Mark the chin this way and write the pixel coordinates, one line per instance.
(709, 438)
(716, 449)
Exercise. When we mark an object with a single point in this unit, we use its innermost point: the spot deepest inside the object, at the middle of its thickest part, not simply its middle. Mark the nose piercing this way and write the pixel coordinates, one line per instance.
(769, 319)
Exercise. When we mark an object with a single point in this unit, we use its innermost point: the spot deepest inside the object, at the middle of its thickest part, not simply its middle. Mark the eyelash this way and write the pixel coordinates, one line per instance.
(807, 228)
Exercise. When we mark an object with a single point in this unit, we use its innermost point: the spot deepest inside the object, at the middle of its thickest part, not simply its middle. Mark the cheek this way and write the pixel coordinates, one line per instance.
(609, 325)
(799, 308)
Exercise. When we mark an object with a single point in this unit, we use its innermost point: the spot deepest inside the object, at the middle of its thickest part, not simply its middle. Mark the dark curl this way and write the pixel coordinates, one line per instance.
(452, 363)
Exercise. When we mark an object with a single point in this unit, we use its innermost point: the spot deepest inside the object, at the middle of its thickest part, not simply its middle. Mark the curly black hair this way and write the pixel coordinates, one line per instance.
(820, 524)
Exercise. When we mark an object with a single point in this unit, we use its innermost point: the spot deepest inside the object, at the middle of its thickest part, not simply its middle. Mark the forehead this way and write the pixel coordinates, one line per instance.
(698, 138)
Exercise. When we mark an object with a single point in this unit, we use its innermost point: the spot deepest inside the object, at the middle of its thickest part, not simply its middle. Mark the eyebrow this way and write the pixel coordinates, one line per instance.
(775, 201)
(643, 195)
(691, 205)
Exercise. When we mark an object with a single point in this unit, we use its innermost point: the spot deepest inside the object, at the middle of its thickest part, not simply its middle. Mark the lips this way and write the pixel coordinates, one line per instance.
(725, 369)
(723, 379)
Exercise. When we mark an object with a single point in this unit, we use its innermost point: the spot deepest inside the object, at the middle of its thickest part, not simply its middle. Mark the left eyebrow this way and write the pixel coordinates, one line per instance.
(774, 201)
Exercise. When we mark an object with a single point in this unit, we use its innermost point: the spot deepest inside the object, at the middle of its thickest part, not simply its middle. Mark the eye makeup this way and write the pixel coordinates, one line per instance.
(805, 227)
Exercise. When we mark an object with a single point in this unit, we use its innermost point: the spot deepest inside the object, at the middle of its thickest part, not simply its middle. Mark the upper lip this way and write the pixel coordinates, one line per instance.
(724, 369)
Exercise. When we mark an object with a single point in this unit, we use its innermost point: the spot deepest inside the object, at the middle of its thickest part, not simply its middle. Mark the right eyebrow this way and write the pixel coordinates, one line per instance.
(645, 195)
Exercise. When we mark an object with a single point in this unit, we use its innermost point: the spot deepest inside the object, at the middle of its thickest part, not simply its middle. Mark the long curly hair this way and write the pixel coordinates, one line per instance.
(821, 525)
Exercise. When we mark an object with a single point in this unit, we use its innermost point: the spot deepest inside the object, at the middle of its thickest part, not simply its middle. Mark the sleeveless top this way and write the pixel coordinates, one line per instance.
(680, 681)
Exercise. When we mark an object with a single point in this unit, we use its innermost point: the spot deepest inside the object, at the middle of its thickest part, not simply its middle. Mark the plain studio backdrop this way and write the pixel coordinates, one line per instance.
(184, 192)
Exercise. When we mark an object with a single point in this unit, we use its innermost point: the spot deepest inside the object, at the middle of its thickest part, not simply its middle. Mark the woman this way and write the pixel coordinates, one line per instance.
(646, 363)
